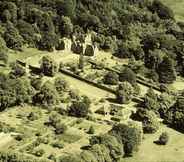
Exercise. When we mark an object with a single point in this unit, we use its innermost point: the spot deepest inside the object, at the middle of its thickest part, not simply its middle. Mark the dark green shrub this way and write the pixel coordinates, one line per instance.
(148, 118)
(48, 66)
(111, 78)
(79, 109)
(60, 128)
(127, 75)
(124, 93)
(39, 152)
(91, 130)
(48, 96)
(164, 138)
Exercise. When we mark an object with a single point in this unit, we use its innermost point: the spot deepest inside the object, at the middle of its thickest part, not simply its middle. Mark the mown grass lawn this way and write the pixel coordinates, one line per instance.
(150, 152)
(178, 8)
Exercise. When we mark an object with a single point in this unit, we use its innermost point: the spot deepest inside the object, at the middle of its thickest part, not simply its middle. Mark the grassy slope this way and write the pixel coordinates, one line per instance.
(178, 8)
(150, 152)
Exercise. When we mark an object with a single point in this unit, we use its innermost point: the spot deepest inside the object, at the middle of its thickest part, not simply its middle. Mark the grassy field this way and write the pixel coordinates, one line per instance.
(76, 136)
(150, 152)
(178, 8)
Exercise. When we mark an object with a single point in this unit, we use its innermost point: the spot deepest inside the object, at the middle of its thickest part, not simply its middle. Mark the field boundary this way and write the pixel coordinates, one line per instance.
(140, 80)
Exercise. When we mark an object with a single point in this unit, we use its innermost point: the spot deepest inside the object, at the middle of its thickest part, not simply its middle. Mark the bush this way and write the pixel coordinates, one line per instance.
(60, 45)
(60, 128)
(33, 116)
(127, 75)
(91, 130)
(12, 37)
(48, 96)
(39, 152)
(79, 109)
(61, 85)
(48, 66)
(151, 100)
(167, 73)
(48, 41)
(148, 118)
(111, 78)
(52, 157)
(115, 147)
(54, 118)
(89, 51)
(36, 83)
(164, 138)
(17, 71)
(124, 93)
(27, 32)
(58, 144)
(77, 48)
(130, 136)
(15, 92)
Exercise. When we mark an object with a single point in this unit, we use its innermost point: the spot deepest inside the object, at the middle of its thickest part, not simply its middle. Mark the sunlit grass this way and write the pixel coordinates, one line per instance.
(178, 8)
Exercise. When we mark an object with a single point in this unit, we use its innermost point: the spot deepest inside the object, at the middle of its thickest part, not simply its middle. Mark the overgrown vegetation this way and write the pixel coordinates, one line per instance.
(143, 32)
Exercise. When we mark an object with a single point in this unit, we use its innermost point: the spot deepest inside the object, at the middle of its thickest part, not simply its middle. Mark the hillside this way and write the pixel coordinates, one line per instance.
(91, 81)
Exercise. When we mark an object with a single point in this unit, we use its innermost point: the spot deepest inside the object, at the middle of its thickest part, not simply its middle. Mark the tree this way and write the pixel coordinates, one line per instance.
(61, 85)
(111, 78)
(87, 155)
(54, 118)
(167, 72)
(12, 8)
(89, 21)
(15, 92)
(60, 128)
(164, 138)
(36, 83)
(128, 75)
(6, 16)
(129, 135)
(12, 37)
(151, 100)
(66, 27)
(122, 51)
(3, 51)
(48, 41)
(24, 91)
(153, 59)
(69, 158)
(79, 109)
(174, 116)
(48, 66)
(148, 118)
(17, 71)
(91, 130)
(81, 62)
(39, 152)
(124, 93)
(111, 142)
(89, 51)
(68, 8)
(27, 32)
(48, 96)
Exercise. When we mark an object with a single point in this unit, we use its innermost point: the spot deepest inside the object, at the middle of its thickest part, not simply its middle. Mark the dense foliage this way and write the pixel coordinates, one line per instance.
(143, 29)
